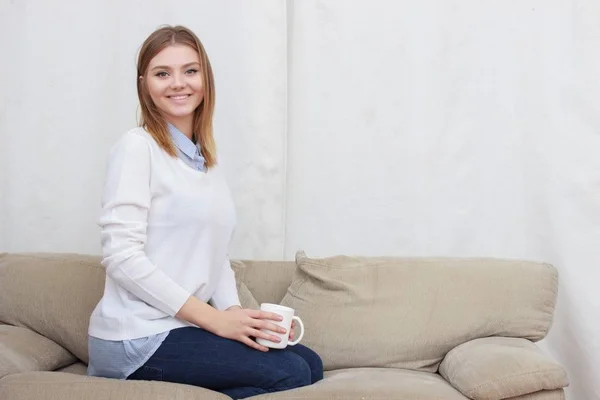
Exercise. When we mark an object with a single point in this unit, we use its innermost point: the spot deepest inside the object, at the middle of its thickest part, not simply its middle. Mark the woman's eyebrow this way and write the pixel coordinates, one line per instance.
(167, 67)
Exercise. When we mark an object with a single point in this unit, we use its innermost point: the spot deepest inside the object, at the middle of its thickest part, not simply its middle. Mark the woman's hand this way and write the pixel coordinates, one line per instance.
(243, 324)
(292, 334)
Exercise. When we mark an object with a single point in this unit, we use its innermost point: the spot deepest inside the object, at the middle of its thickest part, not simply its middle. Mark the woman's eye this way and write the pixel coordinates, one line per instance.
(161, 74)
(191, 71)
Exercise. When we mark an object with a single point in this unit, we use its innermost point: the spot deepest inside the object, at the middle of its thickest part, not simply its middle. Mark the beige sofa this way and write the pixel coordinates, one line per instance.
(386, 328)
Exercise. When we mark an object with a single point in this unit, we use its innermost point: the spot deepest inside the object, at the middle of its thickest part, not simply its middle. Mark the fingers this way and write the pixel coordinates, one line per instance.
(264, 315)
(269, 326)
(264, 335)
(251, 343)
(292, 333)
(260, 320)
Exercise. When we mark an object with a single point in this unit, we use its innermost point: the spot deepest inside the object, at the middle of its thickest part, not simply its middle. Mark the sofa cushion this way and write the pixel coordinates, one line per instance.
(408, 313)
(268, 280)
(52, 294)
(247, 299)
(77, 368)
(558, 394)
(23, 350)
(372, 384)
(65, 386)
(497, 368)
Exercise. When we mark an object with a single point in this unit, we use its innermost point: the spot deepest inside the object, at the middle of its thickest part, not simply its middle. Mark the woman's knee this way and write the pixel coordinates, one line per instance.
(312, 359)
(296, 370)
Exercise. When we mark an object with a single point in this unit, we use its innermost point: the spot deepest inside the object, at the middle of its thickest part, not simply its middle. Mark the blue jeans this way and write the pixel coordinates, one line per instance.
(197, 357)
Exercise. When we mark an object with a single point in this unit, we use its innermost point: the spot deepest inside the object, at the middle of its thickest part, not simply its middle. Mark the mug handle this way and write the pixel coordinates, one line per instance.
(299, 321)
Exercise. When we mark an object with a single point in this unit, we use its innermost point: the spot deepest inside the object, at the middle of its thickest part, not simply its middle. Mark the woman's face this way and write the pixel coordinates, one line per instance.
(174, 82)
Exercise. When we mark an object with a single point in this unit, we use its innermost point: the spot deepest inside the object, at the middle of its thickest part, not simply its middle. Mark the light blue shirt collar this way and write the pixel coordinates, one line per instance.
(187, 150)
(183, 143)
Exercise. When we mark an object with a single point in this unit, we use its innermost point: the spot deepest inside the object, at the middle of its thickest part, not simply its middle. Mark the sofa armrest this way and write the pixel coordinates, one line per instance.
(23, 350)
(497, 368)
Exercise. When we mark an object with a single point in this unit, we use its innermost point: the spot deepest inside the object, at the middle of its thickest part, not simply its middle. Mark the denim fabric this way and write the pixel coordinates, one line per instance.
(197, 357)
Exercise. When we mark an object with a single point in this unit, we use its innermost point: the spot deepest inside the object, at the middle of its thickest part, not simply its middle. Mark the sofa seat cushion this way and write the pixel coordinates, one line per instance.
(408, 313)
(372, 384)
(497, 368)
(77, 368)
(558, 394)
(22, 350)
(65, 386)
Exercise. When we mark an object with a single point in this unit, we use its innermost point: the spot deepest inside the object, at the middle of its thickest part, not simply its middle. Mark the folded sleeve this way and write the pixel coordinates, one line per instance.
(226, 294)
(123, 223)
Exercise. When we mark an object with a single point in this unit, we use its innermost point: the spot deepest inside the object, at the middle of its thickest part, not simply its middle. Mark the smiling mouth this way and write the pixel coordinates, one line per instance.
(179, 96)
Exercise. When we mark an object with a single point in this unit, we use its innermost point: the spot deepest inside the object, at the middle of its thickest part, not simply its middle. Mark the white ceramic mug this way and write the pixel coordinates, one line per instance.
(288, 316)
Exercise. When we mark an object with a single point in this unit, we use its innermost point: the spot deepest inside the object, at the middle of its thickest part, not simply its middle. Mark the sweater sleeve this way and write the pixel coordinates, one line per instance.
(123, 223)
(226, 294)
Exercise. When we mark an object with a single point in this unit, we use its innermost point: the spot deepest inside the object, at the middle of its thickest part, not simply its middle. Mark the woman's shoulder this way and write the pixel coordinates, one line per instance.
(133, 141)
(135, 135)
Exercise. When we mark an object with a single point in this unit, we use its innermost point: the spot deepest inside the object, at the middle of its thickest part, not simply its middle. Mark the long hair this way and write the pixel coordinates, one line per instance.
(150, 117)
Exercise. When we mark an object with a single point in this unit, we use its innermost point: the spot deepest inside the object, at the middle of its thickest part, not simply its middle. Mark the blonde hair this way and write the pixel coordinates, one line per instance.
(150, 117)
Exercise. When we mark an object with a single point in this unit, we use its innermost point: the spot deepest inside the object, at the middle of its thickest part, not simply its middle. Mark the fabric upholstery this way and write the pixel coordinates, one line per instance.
(247, 299)
(408, 313)
(497, 368)
(268, 280)
(65, 386)
(52, 294)
(23, 350)
(440, 303)
(77, 368)
(372, 384)
(558, 394)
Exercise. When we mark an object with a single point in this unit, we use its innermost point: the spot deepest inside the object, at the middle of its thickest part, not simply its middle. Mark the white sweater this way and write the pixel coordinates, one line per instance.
(165, 234)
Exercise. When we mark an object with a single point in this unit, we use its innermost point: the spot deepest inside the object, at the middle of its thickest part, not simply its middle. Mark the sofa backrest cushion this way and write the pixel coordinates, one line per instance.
(51, 294)
(268, 280)
(408, 313)
(246, 297)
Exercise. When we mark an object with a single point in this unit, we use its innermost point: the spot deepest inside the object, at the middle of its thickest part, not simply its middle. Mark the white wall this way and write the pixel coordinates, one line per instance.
(440, 127)
(71, 85)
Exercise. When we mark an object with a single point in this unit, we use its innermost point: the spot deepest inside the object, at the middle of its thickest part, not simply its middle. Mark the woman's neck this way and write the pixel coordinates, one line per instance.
(184, 124)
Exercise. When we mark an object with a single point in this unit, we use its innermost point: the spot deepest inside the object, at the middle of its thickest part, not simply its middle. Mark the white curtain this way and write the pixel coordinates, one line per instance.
(439, 127)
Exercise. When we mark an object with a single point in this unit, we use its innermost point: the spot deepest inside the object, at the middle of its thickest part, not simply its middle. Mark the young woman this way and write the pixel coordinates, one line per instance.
(170, 309)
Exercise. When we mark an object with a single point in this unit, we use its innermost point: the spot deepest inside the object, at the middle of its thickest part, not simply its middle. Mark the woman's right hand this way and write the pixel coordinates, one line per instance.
(242, 324)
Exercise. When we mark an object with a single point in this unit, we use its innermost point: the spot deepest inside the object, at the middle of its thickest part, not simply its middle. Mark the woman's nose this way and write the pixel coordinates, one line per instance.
(177, 82)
